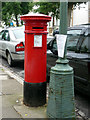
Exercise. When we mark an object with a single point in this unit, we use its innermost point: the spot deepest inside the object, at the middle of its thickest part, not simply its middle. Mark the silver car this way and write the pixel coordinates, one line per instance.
(12, 44)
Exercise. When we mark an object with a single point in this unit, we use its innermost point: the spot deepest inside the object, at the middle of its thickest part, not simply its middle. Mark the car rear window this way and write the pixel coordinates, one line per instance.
(19, 33)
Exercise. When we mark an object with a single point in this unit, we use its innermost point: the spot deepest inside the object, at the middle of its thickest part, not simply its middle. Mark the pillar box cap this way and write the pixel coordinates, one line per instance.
(35, 17)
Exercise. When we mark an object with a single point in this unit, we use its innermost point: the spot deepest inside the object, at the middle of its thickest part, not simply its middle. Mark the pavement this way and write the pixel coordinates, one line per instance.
(11, 99)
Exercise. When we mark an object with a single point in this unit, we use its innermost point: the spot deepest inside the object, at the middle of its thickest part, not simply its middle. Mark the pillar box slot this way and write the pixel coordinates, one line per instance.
(37, 28)
(35, 58)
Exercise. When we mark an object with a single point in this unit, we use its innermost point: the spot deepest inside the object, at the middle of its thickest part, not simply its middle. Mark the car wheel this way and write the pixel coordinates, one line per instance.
(9, 59)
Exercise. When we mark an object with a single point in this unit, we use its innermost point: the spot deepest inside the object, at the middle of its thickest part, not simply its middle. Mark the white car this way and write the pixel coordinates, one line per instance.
(0, 29)
(12, 44)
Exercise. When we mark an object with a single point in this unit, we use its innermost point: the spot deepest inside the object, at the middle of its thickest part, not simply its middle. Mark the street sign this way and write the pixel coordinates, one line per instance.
(61, 41)
(37, 40)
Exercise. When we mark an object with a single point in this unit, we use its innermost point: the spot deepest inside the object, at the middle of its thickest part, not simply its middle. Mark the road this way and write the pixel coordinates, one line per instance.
(81, 102)
(18, 67)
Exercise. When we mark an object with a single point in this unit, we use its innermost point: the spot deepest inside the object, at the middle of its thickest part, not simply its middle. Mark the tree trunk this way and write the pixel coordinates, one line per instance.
(69, 14)
(21, 22)
(16, 20)
(53, 22)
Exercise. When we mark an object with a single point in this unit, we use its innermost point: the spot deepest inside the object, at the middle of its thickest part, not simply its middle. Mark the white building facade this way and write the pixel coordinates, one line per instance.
(81, 14)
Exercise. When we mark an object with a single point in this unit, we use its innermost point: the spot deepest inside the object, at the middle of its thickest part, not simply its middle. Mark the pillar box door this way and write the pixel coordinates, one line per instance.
(35, 58)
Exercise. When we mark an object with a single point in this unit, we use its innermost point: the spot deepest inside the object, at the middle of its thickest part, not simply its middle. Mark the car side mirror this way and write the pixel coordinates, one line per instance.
(55, 52)
(5, 39)
(49, 52)
(77, 51)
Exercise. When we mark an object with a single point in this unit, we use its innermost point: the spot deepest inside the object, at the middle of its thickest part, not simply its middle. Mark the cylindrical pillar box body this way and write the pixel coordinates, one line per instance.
(35, 58)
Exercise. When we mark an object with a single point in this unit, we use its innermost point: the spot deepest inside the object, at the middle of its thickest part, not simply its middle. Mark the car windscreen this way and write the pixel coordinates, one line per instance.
(74, 32)
(73, 36)
(19, 33)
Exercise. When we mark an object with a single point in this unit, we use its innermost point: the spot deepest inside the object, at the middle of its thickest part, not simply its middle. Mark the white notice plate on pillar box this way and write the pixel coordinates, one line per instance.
(37, 40)
(61, 41)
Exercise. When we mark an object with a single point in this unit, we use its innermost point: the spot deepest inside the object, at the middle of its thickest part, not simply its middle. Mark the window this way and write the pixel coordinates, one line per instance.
(86, 45)
(54, 45)
(6, 36)
(72, 38)
(1, 33)
(54, 49)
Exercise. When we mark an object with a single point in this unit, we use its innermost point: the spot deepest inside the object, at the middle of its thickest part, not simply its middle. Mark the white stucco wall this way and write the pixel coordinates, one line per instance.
(80, 14)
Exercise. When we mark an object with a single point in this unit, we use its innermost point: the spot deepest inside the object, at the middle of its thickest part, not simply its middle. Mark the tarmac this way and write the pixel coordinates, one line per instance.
(11, 99)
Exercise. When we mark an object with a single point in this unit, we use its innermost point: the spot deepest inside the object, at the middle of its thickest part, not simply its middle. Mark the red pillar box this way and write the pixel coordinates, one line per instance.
(35, 58)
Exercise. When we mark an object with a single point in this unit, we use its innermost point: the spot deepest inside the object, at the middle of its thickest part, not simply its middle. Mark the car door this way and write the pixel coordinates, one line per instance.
(85, 50)
(79, 63)
(5, 39)
(1, 41)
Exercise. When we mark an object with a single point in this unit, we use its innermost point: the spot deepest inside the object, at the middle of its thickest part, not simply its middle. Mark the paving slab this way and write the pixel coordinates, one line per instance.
(12, 99)
(11, 91)
(30, 112)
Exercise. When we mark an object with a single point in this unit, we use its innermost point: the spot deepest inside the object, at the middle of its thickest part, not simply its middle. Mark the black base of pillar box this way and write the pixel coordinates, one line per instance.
(34, 94)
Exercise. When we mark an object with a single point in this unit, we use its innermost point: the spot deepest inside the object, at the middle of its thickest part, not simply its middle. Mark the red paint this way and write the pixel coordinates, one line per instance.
(35, 57)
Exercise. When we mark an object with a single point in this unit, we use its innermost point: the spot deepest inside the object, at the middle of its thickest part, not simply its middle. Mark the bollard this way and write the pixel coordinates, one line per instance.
(61, 91)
